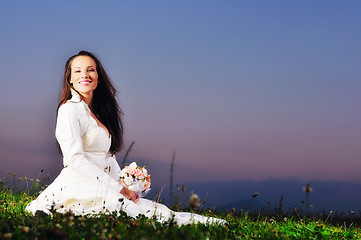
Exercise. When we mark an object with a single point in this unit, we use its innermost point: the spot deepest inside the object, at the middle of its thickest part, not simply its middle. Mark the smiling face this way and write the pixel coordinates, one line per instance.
(84, 76)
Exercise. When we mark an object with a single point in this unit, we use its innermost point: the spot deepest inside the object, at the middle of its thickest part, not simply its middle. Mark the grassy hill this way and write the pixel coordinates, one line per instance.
(17, 224)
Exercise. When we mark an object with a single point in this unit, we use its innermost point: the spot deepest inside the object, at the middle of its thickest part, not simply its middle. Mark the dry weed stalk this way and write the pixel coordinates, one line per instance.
(171, 176)
(122, 165)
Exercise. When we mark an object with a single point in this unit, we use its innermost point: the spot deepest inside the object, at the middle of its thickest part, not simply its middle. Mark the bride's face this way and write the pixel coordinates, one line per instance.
(84, 76)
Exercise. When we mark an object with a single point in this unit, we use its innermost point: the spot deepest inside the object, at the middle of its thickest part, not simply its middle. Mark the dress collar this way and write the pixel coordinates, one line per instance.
(75, 96)
(76, 99)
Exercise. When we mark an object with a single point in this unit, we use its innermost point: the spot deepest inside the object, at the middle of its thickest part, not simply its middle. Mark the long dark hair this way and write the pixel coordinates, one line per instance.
(104, 103)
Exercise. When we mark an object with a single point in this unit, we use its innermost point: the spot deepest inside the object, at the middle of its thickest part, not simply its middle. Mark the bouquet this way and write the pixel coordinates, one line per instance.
(135, 178)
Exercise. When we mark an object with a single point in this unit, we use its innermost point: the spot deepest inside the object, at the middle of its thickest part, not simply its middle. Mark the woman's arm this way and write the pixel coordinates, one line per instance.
(112, 167)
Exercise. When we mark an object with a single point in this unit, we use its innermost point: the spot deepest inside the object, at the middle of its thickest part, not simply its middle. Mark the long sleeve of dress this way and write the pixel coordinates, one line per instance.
(113, 167)
(69, 135)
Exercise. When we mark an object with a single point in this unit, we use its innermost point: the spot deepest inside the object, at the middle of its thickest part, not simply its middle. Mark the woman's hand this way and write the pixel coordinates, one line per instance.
(129, 194)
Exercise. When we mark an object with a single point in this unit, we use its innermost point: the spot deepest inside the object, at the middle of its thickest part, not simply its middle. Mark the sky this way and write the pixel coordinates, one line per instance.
(238, 89)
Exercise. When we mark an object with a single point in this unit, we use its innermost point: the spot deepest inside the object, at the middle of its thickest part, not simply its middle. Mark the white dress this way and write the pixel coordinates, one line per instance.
(88, 182)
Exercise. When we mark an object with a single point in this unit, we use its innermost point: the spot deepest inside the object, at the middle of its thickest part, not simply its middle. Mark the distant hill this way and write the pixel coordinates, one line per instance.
(337, 196)
(326, 195)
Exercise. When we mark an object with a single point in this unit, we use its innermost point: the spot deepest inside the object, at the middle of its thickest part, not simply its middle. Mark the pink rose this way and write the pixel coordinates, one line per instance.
(138, 173)
(131, 171)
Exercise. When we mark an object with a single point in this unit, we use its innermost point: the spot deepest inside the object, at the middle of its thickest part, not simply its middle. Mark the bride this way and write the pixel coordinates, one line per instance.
(89, 131)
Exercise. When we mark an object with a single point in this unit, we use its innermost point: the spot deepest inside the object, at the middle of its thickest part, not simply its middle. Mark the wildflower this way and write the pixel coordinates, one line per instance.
(328, 216)
(7, 235)
(25, 229)
(307, 188)
(194, 201)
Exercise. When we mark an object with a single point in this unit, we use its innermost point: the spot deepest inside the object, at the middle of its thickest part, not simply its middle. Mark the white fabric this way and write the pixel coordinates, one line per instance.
(88, 182)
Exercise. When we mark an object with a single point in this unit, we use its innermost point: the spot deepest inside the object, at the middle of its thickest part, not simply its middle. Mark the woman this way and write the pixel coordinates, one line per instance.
(89, 131)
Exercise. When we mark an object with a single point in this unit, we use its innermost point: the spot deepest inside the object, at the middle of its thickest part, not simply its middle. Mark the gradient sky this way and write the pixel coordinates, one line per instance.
(239, 89)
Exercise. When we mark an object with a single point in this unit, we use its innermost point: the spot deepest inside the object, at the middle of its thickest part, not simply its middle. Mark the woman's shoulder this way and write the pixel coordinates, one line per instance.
(73, 106)
(68, 108)
(72, 109)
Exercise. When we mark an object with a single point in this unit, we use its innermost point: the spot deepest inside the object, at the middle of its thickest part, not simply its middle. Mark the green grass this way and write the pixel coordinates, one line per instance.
(17, 224)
